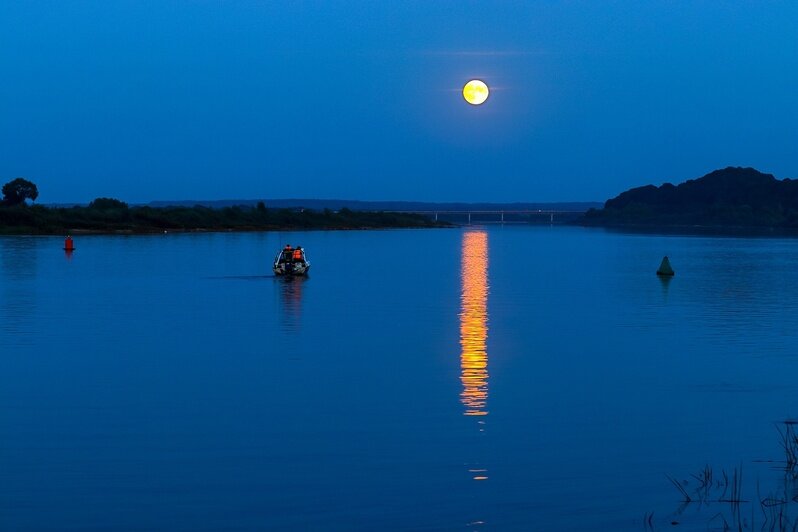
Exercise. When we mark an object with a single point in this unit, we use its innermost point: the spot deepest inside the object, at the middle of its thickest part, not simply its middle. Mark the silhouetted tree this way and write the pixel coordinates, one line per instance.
(107, 204)
(18, 190)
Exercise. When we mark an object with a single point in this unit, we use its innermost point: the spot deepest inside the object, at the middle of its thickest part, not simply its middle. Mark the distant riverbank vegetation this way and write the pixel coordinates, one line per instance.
(108, 215)
(732, 197)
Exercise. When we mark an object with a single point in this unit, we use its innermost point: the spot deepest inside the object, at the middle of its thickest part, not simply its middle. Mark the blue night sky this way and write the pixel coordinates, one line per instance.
(146, 100)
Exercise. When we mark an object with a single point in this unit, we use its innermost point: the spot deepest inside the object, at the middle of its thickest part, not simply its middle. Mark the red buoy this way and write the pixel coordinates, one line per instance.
(68, 244)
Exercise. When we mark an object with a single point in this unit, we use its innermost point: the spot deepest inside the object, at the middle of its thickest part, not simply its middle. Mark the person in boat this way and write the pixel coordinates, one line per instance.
(287, 253)
(298, 254)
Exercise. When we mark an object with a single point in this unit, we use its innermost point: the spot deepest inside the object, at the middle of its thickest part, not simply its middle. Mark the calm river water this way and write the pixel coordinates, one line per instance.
(501, 378)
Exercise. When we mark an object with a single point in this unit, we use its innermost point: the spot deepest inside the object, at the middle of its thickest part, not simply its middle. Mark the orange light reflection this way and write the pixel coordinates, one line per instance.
(474, 323)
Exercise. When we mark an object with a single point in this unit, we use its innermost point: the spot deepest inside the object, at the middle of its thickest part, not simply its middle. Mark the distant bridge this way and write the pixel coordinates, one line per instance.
(500, 217)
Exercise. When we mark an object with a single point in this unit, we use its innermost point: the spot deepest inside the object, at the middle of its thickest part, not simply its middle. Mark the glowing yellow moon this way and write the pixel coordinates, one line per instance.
(475, 92)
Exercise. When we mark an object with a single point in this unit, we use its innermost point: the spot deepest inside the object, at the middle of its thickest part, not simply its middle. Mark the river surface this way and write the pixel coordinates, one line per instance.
(484, 378)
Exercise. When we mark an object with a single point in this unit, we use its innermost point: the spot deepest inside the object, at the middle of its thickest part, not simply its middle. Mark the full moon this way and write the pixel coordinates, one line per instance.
(475, 92)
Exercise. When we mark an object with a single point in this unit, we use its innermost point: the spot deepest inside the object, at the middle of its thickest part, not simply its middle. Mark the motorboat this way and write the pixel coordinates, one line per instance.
(291, 261)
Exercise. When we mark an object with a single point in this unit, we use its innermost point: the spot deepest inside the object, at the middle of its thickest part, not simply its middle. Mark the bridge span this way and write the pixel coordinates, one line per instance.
(499, 216)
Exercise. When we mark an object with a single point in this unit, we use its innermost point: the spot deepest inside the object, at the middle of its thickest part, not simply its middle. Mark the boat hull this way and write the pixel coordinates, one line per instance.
(291, 269)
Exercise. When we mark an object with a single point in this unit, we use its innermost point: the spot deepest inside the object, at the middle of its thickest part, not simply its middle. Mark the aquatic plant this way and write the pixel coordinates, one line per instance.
(789, 441)
(777, 508)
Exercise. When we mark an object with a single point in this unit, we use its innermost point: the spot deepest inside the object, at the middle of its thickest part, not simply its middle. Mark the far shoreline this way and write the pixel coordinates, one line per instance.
(113, 217)
(158, 231)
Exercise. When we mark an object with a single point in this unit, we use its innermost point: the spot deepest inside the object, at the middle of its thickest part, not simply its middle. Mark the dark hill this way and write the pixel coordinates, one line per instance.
(742, 197)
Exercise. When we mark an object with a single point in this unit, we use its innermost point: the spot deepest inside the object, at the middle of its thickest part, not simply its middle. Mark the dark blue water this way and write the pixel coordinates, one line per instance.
(509, 378)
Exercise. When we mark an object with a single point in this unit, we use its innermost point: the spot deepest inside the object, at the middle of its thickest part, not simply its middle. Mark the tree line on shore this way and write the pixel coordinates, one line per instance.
(731, 197)
(112, 215)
